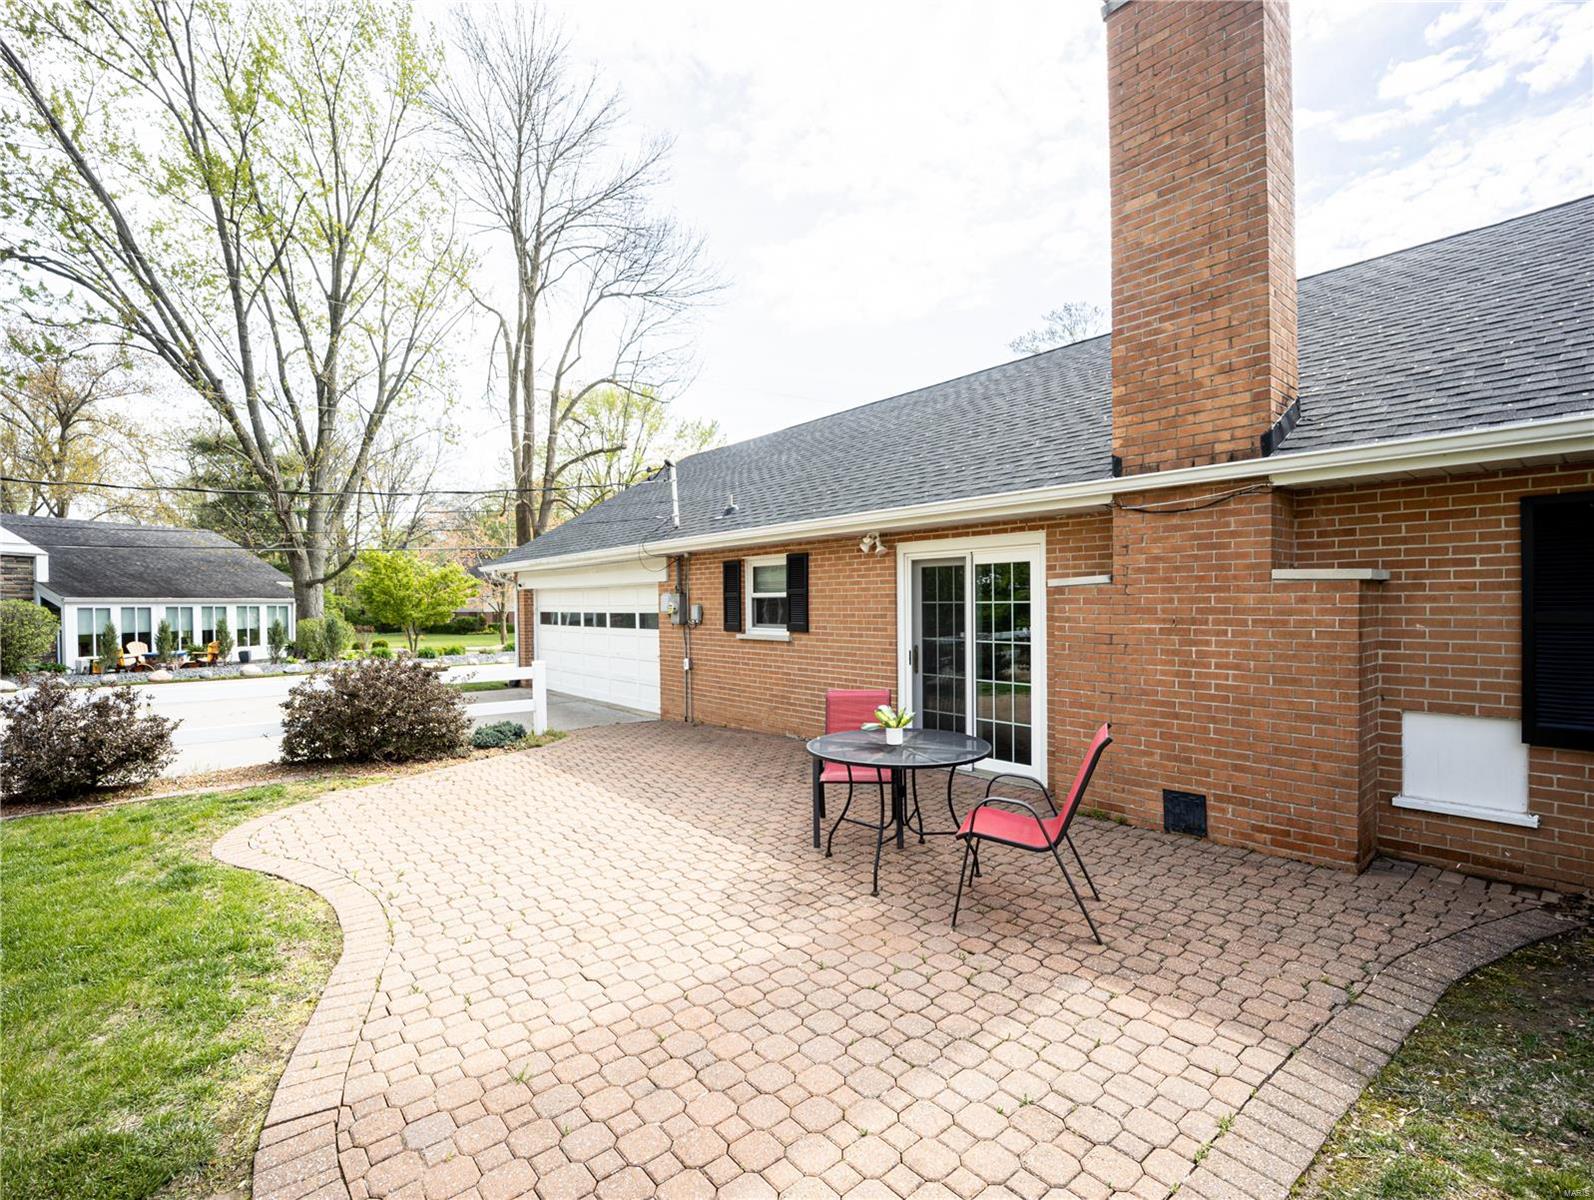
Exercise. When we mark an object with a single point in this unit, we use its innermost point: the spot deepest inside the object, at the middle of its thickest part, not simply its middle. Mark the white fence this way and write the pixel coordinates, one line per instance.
(238, 722)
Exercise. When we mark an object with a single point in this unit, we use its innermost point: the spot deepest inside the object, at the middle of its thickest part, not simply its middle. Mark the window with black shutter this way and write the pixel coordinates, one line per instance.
(1558, 621)
(733, 595)
(797, 593)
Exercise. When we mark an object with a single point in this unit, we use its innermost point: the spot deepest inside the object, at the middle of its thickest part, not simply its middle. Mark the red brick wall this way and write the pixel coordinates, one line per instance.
(1447, 631)
(1217, 680)
(1280, 701)
(1203, 234)
(779, 687)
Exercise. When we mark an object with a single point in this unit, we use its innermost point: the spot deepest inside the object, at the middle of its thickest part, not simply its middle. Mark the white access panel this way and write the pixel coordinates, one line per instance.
(1466, 766)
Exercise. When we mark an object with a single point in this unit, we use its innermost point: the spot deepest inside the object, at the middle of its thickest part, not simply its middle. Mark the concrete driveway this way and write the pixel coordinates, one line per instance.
(615, 967)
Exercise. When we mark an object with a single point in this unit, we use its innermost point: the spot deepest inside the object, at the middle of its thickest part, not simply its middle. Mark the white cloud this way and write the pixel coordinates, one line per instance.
(1486, 48)
(1460, 183)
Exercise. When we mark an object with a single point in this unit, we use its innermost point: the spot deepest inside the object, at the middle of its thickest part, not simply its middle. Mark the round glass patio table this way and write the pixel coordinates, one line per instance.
(921, 749)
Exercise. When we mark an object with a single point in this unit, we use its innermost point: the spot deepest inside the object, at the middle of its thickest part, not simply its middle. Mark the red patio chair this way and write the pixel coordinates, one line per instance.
(1031, 832)
(847, 709)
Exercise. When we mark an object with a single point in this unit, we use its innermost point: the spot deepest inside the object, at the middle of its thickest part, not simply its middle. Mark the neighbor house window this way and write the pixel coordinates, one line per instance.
(209, 614)
(136, 627)
(248, 633)
(281, 614)
(181, 619)
(90, 621)
(766, 594)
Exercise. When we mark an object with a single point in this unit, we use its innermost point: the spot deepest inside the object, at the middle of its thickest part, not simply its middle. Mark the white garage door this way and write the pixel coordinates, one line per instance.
(602, 643)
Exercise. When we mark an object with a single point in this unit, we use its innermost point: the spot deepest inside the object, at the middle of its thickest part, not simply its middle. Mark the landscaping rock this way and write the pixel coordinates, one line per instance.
(8, 685)
(251, 669)
(161, 676)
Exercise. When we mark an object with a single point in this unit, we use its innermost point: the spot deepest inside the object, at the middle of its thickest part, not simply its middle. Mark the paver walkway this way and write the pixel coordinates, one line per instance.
(615, 967)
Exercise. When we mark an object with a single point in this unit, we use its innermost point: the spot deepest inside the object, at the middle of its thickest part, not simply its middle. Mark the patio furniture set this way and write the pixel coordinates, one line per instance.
(854, 751)
(138, 657)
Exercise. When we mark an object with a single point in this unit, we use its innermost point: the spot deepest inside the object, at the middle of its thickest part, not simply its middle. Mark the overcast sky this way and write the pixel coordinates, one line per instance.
(896, 190)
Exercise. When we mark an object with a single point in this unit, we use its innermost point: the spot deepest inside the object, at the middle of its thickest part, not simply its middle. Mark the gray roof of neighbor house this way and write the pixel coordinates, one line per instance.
(92, 560)
(1491, 326)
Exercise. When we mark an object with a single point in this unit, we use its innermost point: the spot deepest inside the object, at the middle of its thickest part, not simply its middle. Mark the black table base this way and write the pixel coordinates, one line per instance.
(920, 750)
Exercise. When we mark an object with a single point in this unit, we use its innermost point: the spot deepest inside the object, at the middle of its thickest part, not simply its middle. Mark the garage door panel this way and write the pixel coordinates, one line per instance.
(601, 662)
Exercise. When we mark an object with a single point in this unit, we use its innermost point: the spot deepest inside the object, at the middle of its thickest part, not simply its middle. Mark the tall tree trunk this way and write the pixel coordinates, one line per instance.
(309, 594)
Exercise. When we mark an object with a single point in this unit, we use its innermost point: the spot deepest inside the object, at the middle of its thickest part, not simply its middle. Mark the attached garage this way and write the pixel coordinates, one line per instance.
(602, 643)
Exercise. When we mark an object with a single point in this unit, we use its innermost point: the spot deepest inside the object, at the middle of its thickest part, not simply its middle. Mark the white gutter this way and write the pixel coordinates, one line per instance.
(1552, 438)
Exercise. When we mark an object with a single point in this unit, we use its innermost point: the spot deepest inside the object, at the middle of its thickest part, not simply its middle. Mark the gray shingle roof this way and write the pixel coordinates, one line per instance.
(100, 560)
(1487, 327)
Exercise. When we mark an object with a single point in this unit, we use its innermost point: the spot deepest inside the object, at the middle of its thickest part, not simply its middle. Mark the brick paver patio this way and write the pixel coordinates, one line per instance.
(615, 967)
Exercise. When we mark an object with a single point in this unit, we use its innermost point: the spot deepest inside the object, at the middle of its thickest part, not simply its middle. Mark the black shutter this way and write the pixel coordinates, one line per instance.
(733, 595)
(796, 593)
(1558, 621)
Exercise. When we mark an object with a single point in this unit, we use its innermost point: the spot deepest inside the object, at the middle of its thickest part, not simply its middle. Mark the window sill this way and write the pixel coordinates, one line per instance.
(1471, 811)
(764, 635)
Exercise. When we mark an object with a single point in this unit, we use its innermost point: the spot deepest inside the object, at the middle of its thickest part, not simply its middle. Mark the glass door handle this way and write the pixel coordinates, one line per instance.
(913, 659)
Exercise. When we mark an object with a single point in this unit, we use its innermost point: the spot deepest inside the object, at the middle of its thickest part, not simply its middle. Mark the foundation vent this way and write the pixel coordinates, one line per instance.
(1184, 812)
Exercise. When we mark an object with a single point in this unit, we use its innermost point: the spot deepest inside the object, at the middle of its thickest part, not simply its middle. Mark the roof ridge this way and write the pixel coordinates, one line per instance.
(856, 408)
(99, 524)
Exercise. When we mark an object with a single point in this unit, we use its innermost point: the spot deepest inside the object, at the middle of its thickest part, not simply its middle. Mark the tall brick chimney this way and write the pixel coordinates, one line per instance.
(1203, 230)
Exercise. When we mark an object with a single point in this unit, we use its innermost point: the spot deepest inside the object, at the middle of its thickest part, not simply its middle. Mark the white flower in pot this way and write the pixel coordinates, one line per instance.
(894, 721)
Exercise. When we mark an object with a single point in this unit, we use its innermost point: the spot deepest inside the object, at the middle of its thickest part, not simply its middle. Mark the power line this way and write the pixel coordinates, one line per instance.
(202, 489)
(257, 550)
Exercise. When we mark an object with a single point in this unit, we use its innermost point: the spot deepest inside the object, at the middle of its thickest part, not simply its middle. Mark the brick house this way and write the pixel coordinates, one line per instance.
(1322, 550)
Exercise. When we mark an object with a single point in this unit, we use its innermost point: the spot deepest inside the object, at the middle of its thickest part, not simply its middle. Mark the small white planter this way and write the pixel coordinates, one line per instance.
(894, 736)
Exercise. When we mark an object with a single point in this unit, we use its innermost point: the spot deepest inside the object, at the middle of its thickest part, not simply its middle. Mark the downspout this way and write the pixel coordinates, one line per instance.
(681, 588)
(683, 599)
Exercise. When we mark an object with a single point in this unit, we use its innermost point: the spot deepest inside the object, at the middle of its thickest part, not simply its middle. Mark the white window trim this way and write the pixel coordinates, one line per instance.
(752, 630)
(1030, 542)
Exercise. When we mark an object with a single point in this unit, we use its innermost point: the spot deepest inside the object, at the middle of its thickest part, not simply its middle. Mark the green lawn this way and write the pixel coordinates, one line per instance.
(1491, 1098)
(150, 997)
(471, 641)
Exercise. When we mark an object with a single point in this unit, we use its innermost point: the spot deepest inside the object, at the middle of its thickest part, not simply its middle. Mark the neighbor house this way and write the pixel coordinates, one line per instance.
(92, 572)
(1321, 550)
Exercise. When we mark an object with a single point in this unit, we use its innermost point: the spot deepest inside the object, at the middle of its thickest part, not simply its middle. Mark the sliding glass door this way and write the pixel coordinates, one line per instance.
(974, 646)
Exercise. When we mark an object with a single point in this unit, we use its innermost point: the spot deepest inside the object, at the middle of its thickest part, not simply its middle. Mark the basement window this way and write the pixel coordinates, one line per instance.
(1475, 767)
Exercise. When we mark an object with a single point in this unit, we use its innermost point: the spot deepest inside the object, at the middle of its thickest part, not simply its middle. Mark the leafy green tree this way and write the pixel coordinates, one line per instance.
(238, 504)
(409, 593)
(224, 642)
(110, 647)
(27, 635)
(241, 192)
